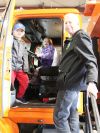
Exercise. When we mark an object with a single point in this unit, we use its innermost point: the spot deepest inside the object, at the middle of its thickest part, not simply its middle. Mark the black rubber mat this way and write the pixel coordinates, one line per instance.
(33, 104)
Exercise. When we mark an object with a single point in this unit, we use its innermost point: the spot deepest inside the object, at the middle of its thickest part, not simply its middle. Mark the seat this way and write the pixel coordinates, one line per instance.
(55, 58)
(48, 76)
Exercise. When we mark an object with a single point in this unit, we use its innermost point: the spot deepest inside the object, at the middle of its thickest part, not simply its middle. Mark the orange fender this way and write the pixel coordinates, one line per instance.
(8, 126)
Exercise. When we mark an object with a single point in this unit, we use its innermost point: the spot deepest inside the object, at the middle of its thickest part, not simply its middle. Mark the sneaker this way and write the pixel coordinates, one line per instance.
(21, 100)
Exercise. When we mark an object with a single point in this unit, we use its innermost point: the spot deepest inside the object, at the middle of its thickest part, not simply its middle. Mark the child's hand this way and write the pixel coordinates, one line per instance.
(39, 55)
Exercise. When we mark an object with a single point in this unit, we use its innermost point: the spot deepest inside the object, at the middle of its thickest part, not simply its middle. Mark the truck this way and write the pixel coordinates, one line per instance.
(39, 111)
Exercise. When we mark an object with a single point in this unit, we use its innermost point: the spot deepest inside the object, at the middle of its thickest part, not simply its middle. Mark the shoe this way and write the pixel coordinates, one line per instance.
(21, 100)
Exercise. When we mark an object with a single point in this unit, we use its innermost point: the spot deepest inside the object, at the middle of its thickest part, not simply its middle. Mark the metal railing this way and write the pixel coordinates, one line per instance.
(96, 112)
(96, 115)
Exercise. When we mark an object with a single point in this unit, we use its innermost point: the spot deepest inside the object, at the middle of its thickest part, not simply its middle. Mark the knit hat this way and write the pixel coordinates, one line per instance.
(18, 26)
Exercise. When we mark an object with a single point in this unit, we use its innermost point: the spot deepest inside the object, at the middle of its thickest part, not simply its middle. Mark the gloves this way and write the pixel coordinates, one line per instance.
(92, 89)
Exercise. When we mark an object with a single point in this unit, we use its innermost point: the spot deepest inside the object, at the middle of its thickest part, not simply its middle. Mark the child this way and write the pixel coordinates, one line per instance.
(20, 62)
(47, 53)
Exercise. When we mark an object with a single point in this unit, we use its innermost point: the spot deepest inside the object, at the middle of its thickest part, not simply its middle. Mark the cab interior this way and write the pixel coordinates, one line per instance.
(42, 89)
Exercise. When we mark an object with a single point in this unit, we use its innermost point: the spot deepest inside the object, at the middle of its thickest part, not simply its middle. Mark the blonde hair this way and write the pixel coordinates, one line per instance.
(49, 40)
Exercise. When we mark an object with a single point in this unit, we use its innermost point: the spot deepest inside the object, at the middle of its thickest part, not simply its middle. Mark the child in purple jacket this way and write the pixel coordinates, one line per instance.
(47, 53)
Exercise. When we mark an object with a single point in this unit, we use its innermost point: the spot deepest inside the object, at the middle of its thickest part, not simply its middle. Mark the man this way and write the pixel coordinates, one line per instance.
(20, 62)
(77, 71)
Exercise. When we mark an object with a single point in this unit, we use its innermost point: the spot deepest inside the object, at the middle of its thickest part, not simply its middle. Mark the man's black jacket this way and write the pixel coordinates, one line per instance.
(78, 65)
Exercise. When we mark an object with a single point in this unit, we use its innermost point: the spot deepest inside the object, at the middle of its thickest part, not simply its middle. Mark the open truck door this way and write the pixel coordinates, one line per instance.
(6, 125)
(92, 10)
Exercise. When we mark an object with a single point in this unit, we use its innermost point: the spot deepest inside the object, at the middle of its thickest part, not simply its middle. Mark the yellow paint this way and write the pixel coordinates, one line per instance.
(5, 62)
(55, 11)
(80, 103)
(8, 126)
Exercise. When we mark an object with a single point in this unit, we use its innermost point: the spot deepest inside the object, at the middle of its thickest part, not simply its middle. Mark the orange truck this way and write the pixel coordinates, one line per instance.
(39, 23)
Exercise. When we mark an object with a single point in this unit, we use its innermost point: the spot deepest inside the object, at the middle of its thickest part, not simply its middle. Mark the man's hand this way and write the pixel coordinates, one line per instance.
(92, 89)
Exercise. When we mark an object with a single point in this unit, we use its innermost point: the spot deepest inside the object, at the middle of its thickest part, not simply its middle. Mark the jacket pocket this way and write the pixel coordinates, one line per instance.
(62, 77)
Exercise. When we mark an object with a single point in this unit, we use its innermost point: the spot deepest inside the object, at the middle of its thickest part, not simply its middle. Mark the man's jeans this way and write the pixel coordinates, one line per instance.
(66, 117)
